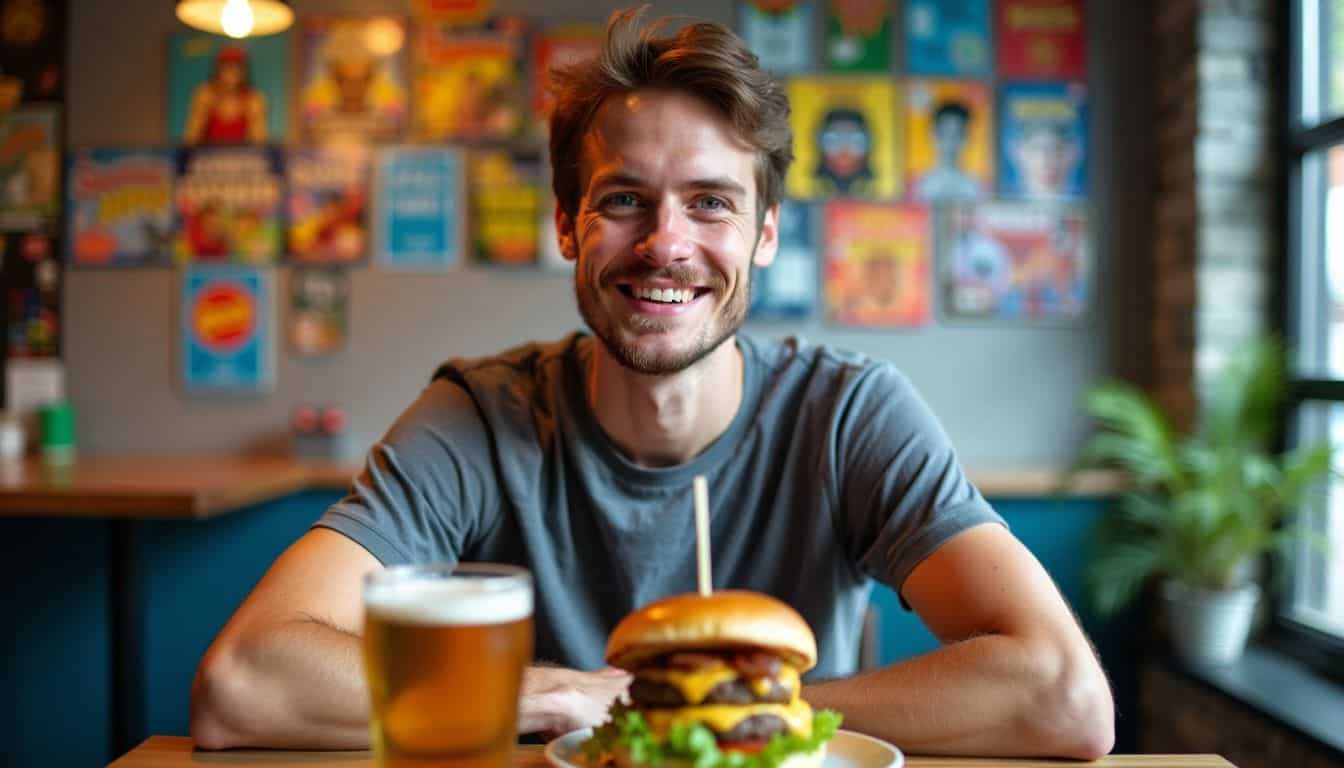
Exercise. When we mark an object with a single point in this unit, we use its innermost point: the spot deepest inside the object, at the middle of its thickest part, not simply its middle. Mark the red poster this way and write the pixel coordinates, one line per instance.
(1042, 38)
(877, 270)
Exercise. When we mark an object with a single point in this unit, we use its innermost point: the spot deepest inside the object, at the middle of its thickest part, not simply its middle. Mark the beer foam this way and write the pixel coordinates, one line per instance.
(459, 601)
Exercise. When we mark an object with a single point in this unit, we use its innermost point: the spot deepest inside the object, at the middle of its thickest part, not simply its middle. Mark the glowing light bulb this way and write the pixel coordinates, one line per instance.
(237, 18)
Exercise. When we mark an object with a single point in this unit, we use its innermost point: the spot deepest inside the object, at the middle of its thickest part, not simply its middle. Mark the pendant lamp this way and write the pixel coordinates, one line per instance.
(236, 18)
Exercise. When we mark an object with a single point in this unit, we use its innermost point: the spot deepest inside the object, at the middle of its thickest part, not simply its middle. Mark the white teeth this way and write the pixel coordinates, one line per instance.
(665, 295)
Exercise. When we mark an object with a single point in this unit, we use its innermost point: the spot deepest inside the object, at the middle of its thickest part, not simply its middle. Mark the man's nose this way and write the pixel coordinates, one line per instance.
(668, 239)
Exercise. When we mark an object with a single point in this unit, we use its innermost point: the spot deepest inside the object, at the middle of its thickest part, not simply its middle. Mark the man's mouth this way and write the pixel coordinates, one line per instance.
(662, 294)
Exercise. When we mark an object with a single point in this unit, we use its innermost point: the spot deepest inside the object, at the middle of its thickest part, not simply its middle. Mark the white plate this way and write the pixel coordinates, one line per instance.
(846, 749)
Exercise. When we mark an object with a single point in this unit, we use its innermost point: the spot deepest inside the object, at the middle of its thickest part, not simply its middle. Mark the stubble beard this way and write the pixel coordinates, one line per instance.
(624, 346)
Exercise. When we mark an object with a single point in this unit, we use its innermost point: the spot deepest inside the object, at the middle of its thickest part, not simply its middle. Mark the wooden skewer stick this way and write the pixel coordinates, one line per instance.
(702, 534)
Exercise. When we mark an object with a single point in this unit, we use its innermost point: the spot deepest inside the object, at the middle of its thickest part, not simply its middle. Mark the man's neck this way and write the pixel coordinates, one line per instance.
(660, 421)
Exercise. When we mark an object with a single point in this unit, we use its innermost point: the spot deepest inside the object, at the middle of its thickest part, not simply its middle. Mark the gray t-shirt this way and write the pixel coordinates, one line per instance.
(832, 473)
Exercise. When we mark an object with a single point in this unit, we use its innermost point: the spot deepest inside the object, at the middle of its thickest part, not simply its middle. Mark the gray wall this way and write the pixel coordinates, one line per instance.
(1007, 395)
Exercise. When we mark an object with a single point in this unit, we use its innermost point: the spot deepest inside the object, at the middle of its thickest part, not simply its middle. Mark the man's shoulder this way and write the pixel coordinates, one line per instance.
(794, 357)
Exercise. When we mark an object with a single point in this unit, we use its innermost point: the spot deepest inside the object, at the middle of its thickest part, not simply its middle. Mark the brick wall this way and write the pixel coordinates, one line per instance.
(1216, 232)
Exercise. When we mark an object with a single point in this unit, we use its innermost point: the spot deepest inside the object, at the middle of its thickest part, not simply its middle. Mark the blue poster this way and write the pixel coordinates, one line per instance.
(120, 207)
(228, 329)
(225, 91)
(787, 288)
(419, 206)
(1043, 141)
(781, 33)
(947, 37)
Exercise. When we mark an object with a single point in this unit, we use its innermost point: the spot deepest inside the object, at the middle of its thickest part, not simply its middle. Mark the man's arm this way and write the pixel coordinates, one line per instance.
(287, 671)
(1016, 675)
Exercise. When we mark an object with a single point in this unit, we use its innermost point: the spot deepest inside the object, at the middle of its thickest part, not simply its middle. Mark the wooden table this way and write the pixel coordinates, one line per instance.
(177, 752)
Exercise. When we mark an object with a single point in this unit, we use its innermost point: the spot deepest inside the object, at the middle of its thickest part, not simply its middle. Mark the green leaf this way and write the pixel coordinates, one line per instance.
(695, 743)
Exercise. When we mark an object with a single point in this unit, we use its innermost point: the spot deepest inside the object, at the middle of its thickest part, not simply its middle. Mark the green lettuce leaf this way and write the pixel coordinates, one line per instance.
(695, 743)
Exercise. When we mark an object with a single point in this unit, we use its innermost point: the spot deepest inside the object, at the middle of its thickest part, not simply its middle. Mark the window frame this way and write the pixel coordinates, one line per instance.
(1321, 650)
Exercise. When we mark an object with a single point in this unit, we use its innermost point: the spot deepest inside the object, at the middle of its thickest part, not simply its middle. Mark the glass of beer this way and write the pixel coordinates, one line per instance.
(444, 650)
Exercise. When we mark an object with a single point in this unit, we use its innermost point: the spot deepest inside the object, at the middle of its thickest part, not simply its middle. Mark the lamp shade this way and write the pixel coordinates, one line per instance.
(236, 18)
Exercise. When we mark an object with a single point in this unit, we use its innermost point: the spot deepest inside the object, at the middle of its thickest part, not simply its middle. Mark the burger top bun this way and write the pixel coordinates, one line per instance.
(724, 620)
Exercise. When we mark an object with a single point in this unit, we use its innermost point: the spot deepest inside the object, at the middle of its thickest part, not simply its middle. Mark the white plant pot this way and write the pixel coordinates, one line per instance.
(1209, 627)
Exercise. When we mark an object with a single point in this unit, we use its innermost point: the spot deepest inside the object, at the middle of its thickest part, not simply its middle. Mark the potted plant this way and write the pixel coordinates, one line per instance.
(1202, 510)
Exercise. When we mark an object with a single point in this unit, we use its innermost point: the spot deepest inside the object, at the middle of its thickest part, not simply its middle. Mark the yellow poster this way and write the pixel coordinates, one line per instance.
(949, 129)
(845, 139)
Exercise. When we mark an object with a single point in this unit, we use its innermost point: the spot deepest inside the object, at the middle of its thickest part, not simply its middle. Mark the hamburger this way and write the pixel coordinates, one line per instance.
(716, 685)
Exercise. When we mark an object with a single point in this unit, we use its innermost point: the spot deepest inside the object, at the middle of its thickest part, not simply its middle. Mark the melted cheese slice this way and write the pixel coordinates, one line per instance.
(694, 685)
(724, 717)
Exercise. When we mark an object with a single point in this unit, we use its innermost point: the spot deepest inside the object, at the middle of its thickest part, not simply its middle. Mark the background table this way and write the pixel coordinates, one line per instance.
(177, 752)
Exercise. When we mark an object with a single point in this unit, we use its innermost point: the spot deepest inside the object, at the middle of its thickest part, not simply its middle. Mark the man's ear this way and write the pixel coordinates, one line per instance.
(564, 233)
(767, 243)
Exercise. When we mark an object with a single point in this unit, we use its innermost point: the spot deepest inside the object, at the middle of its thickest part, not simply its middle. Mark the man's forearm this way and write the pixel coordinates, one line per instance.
(303, 687)
(989, 695)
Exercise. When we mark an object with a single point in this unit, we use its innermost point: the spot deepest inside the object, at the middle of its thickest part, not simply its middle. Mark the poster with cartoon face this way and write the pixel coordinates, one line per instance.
(845, 139)
(1043, 141)
(877, 268)
(226, 91)
(949, 134)
(353, 86)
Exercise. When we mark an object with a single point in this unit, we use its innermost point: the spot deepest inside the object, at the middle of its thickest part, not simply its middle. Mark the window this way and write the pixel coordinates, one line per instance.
(1315, 303)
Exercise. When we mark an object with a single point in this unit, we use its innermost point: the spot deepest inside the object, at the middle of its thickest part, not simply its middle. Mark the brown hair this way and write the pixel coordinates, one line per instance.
(705, 60)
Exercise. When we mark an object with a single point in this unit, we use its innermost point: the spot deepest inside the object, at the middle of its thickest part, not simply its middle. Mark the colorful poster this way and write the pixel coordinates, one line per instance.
(947, 37)
(506, 195)
(781, 33)
(949, 131)
(877, 270)
(468, 83)
(227, 329)
(327, 191)
(226, 91)
(353, 85)
(559, 46)
(319, 310)
(418, 214)
(229, 203)
(30, 168)
(787, 289)
(119, 207)
(844, 138)
(1043, 141)
(1015, 261)
(32, 51)
(31, 276)
(858, 37)
(1042, 39)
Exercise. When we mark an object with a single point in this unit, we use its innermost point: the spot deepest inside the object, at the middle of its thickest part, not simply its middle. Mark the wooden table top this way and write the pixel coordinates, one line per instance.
(131, 487)
(177, 752)
(158, 488)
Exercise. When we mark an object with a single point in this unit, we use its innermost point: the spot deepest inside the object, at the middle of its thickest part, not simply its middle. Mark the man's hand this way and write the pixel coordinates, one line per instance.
(556, 701)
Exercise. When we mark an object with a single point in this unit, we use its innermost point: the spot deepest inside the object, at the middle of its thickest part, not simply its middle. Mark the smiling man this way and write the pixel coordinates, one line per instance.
(575, 459)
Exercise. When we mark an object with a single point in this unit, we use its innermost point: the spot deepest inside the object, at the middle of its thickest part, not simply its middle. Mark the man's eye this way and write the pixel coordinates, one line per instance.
(712, 204)
(621, 200)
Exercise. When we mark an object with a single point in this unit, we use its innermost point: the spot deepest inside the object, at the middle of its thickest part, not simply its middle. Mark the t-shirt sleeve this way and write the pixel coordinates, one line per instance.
(903, 493)
(425, 493)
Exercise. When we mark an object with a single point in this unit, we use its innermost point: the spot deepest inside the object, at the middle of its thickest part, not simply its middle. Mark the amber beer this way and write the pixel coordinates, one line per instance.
(444, 651)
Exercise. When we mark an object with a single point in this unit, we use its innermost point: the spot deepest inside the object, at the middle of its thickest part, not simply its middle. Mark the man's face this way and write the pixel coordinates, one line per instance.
(666, 230)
